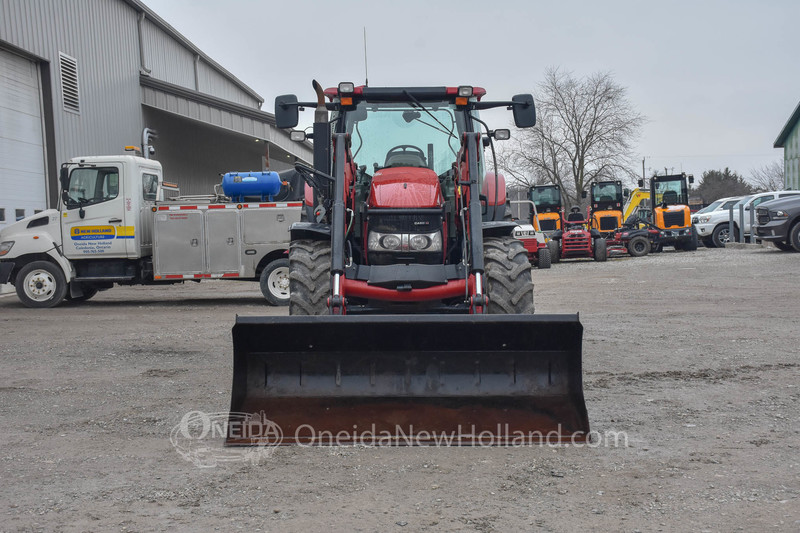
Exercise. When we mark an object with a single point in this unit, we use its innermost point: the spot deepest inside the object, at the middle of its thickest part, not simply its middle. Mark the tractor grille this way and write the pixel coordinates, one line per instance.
(763, 216)
(673, 219)
(608, 223)
(547, 225)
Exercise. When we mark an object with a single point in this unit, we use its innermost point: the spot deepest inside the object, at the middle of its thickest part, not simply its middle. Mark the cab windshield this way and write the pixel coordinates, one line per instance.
(606, 193)
(545, 197)
(671, 192)
(710, 207)
(91, 185)
(392, 134)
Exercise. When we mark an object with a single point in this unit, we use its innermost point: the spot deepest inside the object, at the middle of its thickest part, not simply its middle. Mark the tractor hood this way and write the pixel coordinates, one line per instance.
(408, 187)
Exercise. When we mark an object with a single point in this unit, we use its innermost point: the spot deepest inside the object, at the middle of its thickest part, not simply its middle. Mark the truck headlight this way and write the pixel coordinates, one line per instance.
(5, 247)
(702, 219)
(775, 214)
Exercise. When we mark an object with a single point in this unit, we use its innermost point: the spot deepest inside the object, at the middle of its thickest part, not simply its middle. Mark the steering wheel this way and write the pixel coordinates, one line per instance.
(406, 149)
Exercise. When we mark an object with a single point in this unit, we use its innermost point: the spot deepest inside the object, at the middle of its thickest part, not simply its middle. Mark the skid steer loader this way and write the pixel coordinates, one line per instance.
(411, 308)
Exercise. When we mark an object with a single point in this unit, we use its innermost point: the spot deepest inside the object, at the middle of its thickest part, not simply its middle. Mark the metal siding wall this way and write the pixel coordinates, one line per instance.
(215, 84)
(101, 35)
(166, 58)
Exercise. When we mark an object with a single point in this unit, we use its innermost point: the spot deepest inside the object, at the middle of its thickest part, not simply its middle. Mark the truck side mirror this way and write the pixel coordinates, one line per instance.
(63, 177)
(286, 111)
(524, 111)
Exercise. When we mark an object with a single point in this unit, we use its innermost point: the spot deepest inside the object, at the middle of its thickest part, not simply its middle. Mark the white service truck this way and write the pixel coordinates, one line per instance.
(114, 225)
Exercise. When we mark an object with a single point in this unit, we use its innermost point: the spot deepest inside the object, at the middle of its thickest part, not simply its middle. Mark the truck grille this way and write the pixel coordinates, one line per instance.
(608, 223)
(763, 216)
(673, 219)
(547, 225)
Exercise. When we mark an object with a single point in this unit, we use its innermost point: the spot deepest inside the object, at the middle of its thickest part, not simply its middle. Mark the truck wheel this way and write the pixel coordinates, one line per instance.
(555, 251)
(543, 257)
(721, 235)
(309, 277)
(275, 282)
(508, 277)
(784, 246)
(41, 284)
(600, 250)
(639, 246)
(794, 237)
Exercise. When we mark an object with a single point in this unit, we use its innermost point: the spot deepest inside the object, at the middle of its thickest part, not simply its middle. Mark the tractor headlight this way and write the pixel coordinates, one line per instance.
(383, 242)
(5, 247)
(397, 242)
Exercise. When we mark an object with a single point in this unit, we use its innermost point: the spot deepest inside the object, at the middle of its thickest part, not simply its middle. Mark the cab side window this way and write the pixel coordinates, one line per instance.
(149, 187)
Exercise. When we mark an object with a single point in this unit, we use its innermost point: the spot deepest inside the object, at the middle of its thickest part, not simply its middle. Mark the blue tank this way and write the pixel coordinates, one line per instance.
(237, 185)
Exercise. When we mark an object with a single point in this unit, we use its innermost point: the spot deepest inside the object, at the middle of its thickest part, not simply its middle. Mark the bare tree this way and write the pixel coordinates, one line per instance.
(769, 177)
(584, 133)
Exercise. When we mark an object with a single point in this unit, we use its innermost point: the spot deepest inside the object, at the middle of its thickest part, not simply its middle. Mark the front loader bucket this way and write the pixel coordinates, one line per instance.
(408, 380)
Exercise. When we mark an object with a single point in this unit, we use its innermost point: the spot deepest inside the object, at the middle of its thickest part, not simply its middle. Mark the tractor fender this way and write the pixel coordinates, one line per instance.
(595, 234)
(500, 228)
(556, 235)
(310, 231)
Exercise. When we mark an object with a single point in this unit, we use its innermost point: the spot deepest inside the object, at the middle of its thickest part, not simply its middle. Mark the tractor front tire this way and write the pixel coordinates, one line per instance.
(639, 246)
(508, 276)
(309, 277)
(691, 244)
(543, 258)
(555, 251)
(600, 249)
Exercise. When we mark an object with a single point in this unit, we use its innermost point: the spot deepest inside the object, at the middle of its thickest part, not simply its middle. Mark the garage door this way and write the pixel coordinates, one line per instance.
(22, 169)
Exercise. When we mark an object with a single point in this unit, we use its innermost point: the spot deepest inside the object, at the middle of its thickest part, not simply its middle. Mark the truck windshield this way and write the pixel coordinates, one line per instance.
(91, 186)
(671, 192)
(391, 134)
(545, 197)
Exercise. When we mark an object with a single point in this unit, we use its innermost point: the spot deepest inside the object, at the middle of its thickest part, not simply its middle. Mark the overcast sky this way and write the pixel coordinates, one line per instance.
(717, 79)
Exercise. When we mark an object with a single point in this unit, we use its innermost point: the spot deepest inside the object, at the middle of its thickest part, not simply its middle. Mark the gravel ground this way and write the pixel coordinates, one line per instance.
(692, 355)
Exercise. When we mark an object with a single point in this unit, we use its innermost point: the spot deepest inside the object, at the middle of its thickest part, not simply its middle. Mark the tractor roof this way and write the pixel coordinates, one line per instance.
(400, 94)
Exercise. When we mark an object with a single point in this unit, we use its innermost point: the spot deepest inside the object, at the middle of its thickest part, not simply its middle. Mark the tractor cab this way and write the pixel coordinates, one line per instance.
(606, 205)
(547, 199)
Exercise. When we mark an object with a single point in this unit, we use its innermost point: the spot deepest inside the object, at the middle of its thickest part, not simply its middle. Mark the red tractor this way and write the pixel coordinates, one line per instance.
(577, 238)
(407, 229)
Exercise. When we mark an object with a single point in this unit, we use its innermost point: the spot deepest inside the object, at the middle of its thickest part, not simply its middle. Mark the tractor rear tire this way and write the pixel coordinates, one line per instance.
(508, 276)
(555, 251)
(543, 258)
(639, 246)
(600, 250)
(309, 277)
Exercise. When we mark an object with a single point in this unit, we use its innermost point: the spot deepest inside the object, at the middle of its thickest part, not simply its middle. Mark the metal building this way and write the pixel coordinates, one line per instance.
(86, 77)
(789, 140)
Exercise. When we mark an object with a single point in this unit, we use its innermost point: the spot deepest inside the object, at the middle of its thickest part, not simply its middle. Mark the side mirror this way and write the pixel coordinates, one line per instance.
(524, 111)
(640, 183)
(583, 194)
(286, 111)
(626, 193)
(297, 136)
(63, 177)
(691, 179)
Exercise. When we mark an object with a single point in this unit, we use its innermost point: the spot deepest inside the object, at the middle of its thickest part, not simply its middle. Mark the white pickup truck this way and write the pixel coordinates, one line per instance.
(113, 225)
